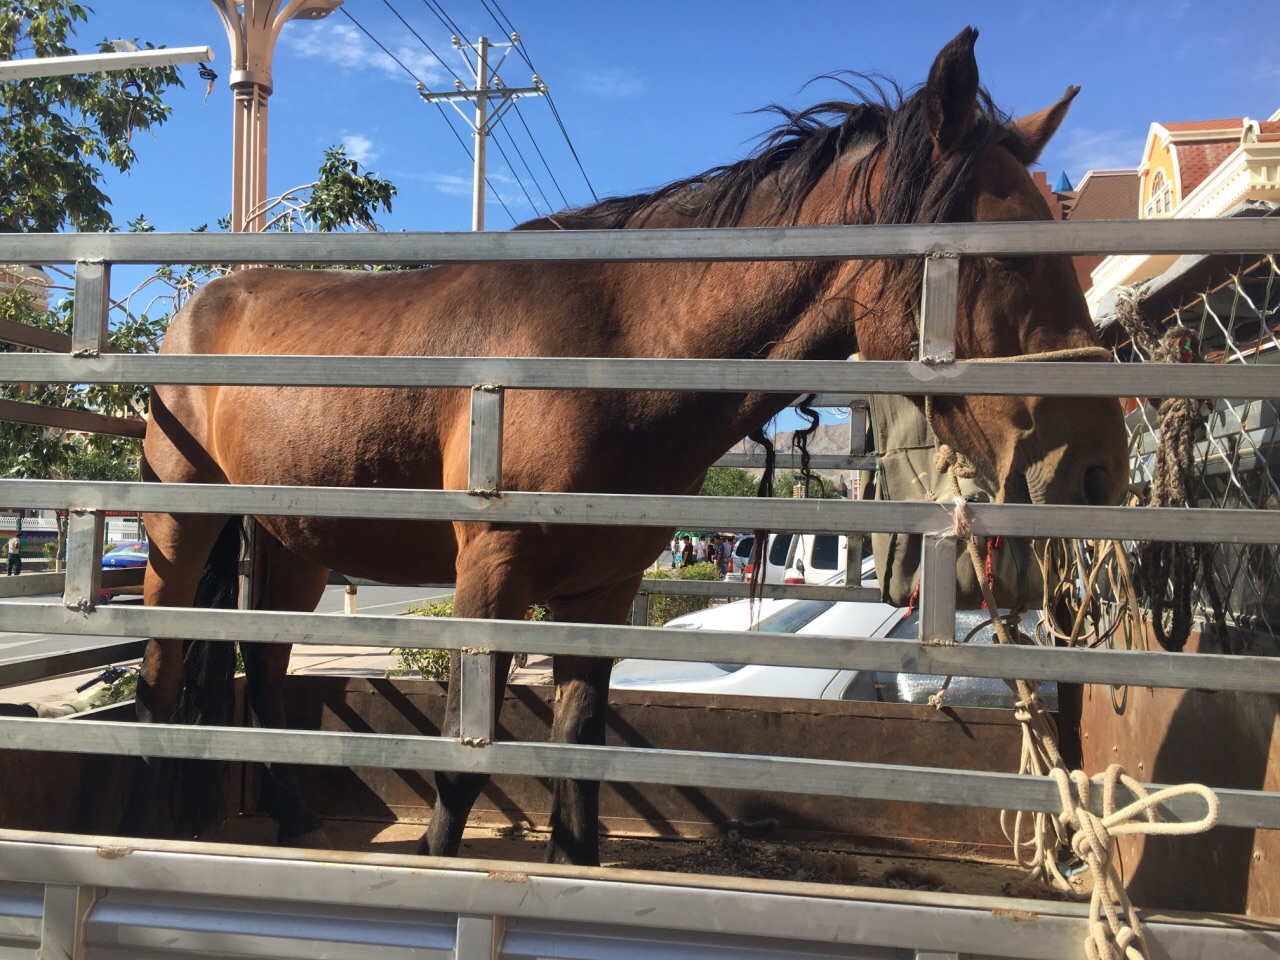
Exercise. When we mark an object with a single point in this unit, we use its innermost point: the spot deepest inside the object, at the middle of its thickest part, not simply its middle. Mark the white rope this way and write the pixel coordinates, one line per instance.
(1036, 838)
(1114, 931)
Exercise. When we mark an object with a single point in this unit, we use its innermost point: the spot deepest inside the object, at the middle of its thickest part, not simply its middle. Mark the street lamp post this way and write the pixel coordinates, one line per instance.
(253, 26)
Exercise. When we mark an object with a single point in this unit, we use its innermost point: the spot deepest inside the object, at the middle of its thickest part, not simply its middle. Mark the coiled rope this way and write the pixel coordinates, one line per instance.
(1037, 838)
(1114, 930)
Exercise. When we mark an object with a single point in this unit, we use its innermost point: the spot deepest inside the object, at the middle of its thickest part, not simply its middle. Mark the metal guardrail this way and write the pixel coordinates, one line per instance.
(184, 899)
(78, 615)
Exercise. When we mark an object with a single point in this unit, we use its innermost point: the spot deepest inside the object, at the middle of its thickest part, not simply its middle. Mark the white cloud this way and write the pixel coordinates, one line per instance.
(347, 48)
(500, 181)
(613, 83)
(1081, 149)
(447, 183)
(360, 148)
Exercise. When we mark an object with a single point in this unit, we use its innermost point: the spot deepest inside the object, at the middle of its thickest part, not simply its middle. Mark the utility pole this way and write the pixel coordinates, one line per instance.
(253, 26)
(488, 86)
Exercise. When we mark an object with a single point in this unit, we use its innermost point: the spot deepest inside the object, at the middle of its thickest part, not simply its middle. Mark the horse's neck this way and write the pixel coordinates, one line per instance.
(752, 310)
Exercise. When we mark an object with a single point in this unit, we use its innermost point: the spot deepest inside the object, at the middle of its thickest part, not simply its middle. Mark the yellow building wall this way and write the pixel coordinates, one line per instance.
(1159, 157)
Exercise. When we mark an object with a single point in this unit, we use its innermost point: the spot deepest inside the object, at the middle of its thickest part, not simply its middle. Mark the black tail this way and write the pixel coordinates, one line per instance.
(210, 665)
(207, 697)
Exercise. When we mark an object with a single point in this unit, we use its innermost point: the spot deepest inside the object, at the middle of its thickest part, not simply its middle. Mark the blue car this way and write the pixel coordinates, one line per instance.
(132, 553)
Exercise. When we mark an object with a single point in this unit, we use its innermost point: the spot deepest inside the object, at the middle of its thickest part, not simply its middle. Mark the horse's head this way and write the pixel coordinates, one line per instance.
(949, 156)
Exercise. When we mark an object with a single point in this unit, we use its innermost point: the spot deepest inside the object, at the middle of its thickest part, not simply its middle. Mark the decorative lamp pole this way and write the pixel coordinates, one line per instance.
(253, 27)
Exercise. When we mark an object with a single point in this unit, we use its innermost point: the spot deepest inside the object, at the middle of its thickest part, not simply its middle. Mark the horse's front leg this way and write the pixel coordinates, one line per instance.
(488, 590)
(582, 698)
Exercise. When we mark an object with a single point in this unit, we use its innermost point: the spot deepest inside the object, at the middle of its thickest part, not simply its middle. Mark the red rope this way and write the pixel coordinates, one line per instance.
(993, 543)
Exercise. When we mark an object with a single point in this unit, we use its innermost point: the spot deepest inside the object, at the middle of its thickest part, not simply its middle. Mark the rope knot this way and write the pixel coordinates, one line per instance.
(1114, 933)
(946, 459)
(1026, 707)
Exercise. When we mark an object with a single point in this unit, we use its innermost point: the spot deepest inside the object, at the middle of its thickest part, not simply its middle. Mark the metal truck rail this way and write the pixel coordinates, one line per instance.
(103, 897)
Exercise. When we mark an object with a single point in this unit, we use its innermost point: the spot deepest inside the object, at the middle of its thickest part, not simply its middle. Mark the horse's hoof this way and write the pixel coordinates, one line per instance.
(317, 839)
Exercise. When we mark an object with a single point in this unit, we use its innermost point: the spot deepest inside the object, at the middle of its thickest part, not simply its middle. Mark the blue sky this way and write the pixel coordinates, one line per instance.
(651, 92)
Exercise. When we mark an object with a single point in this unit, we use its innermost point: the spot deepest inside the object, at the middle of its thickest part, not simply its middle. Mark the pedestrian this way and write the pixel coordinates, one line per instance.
(686, 553)
(722, 555)
(14, 549)
(702, 549)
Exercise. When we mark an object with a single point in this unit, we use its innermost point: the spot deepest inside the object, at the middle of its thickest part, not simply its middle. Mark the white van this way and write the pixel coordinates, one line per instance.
(805, 558)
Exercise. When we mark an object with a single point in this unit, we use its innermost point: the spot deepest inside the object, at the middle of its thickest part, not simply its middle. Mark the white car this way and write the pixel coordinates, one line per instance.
(794, 558)
(838, 618)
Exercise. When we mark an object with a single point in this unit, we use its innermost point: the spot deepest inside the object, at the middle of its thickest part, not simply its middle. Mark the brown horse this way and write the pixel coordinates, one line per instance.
(942, 154)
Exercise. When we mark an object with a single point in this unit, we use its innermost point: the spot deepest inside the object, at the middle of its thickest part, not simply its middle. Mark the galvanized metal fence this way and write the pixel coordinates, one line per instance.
(477, 748)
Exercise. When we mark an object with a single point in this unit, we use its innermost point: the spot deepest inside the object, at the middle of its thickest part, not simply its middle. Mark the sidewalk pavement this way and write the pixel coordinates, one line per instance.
(332, 661)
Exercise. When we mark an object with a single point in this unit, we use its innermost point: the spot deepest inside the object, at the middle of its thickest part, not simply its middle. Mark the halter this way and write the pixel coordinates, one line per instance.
(1067, 353)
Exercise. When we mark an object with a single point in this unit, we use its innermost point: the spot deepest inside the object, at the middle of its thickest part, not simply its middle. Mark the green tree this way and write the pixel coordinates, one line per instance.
(728, 482)
(345, 197)
(820, 488)
(57, 133)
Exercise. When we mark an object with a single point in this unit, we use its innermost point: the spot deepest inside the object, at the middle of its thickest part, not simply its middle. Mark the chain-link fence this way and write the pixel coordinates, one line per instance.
(1229, 308)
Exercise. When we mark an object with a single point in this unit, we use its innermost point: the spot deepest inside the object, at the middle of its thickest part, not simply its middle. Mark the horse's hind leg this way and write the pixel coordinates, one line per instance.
(492, 591)
(180, 547)
(288, 583)
(582, 699)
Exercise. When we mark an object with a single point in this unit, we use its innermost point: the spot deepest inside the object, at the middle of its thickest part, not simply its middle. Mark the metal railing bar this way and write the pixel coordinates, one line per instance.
(381, 885)
(73, 661)
(36, 584)
(1257, 236)
(16, 411)
(591, 509)
(711, 376)
(787, 591)
(25, 335)
(869, 781)
(791, 461)
(1248, 674)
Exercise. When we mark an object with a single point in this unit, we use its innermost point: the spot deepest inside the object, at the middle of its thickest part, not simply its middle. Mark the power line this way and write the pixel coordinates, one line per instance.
(420, 40)
(537, 186)
(452, 26)
(563, 198)
(343, 11)
(550, 100)
(448, 122)
(449, 23)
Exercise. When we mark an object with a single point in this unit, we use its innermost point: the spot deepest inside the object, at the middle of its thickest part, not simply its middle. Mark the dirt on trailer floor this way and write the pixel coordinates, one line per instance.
(727, 856)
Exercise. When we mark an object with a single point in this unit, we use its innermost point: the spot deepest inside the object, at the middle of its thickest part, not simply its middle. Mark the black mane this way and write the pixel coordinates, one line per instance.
(803, 147)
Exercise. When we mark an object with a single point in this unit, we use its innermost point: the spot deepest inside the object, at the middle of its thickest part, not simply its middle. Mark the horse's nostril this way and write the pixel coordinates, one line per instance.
(1099, 490)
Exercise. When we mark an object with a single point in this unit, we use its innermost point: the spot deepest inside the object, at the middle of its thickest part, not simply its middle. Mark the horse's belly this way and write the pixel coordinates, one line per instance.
(389, 551)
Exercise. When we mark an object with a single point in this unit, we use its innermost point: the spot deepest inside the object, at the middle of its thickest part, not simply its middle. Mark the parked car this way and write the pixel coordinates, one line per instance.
(794, 558)
(741, 557)
(132, 553)
(825, 618)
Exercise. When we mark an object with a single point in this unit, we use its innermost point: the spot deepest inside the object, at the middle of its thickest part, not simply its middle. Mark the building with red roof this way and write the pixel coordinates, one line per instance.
(1196, 168)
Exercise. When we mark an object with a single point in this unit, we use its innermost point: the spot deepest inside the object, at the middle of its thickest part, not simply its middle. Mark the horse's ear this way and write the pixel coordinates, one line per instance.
(951, 93)
(1036, 129)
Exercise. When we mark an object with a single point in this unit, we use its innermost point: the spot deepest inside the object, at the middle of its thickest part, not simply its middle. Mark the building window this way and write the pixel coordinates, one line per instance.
(1160, 202)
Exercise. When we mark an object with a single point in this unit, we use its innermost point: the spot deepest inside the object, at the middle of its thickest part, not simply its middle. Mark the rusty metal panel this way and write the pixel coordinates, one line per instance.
(1176, 736)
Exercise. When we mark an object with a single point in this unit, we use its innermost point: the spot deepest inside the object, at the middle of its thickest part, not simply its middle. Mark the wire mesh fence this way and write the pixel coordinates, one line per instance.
(1219, 310)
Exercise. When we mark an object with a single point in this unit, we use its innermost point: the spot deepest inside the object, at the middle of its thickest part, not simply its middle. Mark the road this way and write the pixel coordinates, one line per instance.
(379, 600)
